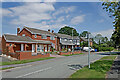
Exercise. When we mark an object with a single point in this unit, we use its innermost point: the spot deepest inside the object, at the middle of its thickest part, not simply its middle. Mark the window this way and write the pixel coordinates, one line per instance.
(23, 34)
(70, 40)
(10, 44)
(65, 39)
(44, 37)
(52, 37)
(35, 36)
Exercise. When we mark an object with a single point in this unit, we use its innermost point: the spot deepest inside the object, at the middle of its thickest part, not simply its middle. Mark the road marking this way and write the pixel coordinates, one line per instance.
(34, 72)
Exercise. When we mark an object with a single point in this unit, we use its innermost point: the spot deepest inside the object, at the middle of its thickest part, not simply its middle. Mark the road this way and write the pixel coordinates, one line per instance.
(61, 67)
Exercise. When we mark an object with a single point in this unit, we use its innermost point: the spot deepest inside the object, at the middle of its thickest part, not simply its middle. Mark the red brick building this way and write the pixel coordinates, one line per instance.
(32, 43)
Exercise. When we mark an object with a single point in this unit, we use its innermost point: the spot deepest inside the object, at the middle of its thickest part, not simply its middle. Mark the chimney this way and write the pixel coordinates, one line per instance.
(52, 31)
(18, 29)
(49, 30)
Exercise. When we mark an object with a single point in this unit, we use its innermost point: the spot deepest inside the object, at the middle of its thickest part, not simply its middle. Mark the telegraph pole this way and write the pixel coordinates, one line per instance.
(89, 50)
(72, 40)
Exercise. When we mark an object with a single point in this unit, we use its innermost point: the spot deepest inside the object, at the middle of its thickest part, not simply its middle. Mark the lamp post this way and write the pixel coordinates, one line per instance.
(72, 40)
(89, 50)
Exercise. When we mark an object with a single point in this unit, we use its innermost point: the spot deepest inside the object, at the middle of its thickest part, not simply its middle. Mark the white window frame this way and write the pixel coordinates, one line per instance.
(65, 39)
(23, 34)
(52, 38)
(44, 37)
(35, 35)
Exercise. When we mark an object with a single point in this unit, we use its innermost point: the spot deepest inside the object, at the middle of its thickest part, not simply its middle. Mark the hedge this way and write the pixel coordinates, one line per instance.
(105, 48)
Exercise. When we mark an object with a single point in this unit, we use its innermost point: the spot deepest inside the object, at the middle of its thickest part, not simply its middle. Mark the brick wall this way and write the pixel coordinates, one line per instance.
(28, 55)
(24, 31)
(27, 33)
(67, 53)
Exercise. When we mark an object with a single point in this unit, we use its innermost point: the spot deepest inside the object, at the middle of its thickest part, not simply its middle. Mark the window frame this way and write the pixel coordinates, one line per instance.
(52, 38)
(35, 36)
(43, 36)
(23, 35)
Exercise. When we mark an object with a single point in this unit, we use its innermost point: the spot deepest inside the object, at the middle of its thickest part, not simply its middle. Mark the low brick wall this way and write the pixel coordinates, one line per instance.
(28, 55)
(67, 53)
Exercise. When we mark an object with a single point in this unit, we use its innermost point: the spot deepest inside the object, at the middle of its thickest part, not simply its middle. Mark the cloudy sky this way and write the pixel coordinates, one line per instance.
(81, 15)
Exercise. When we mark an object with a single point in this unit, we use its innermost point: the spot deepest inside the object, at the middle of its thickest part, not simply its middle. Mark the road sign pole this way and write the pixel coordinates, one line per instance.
(89, 50)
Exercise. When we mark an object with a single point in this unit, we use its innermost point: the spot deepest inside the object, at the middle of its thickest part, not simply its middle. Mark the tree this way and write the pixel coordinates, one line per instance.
(98, 38)
(68, 30)
(83, 34)
(113, 9)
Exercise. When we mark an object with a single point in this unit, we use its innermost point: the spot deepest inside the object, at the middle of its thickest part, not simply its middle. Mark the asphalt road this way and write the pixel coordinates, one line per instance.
(61, 67)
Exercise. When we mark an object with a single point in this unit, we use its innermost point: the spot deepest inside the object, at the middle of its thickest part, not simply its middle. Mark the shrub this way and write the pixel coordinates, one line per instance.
(105, 48)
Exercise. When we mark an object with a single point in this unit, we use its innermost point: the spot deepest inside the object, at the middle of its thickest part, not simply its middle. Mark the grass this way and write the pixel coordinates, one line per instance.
(108, 57)
(24, 61)
(73, 54)
(6, 68)
(98, 69)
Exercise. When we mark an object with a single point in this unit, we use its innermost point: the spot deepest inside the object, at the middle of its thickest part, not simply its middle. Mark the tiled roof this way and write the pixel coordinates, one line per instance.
(38, 31)
(63, 35)
(66, 36)
(24, 39)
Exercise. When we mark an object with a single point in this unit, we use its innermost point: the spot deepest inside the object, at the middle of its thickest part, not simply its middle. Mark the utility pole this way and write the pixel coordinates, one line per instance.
(72, 40)
(89, 50)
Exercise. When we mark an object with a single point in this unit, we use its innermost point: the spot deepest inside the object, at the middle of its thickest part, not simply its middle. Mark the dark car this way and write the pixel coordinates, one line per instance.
(77, 48)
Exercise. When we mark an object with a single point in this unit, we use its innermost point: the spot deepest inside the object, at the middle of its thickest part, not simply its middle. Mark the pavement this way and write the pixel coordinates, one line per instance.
(115, 69)
(60, 67)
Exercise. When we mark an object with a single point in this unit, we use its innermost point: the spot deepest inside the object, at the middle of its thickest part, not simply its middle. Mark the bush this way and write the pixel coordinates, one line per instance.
(105, 48)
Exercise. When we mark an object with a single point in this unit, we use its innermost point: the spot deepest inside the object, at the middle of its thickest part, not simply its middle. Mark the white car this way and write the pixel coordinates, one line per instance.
(87, 49)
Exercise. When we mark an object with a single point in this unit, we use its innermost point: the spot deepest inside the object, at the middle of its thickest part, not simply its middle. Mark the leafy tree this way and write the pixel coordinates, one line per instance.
(83, 34)
(98, 38)
(68, 30)
(113, 9)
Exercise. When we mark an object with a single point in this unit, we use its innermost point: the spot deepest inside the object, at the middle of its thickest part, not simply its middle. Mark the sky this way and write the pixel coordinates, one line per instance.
(80, 15)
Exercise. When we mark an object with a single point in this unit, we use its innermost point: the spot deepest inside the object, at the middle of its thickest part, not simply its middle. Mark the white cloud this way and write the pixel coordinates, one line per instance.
(31, 13)
(4, 12)
(32, 8)
(28, 0)
(37, 15)
(60, 19)
(77, 19)
(106, 33)
(64, 10)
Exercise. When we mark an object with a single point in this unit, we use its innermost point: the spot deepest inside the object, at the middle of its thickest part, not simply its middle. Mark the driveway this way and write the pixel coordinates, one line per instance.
(2, 59)
(61, 67)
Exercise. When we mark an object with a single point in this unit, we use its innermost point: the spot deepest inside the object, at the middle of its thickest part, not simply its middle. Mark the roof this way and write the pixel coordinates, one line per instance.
(67, 43)
(38, 31)
(66, 36)
(76, 37)
(23, 39)
(85, 39)
(63, 36)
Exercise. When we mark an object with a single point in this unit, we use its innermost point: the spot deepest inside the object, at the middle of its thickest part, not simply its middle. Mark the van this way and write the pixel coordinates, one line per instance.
(87, 49)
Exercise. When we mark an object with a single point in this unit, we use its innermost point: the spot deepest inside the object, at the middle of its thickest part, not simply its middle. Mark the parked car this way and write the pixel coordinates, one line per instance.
(77, 48)
(87, 49)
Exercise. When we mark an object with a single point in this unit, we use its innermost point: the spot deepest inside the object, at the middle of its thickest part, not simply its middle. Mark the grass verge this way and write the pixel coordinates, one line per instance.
(98, 69)
(6, 68)
(73, 54)
(112, 57)
(25, 61)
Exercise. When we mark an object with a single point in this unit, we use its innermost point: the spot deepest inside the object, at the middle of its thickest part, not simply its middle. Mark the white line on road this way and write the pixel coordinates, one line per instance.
(34, 72)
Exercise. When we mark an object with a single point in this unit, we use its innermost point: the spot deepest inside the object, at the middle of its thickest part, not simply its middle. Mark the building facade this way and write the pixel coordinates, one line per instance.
(35, 43)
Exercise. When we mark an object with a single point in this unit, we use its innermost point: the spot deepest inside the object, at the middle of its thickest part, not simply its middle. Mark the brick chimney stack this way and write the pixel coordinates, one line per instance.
(52, 31)
(18, 29)
(49, 30)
